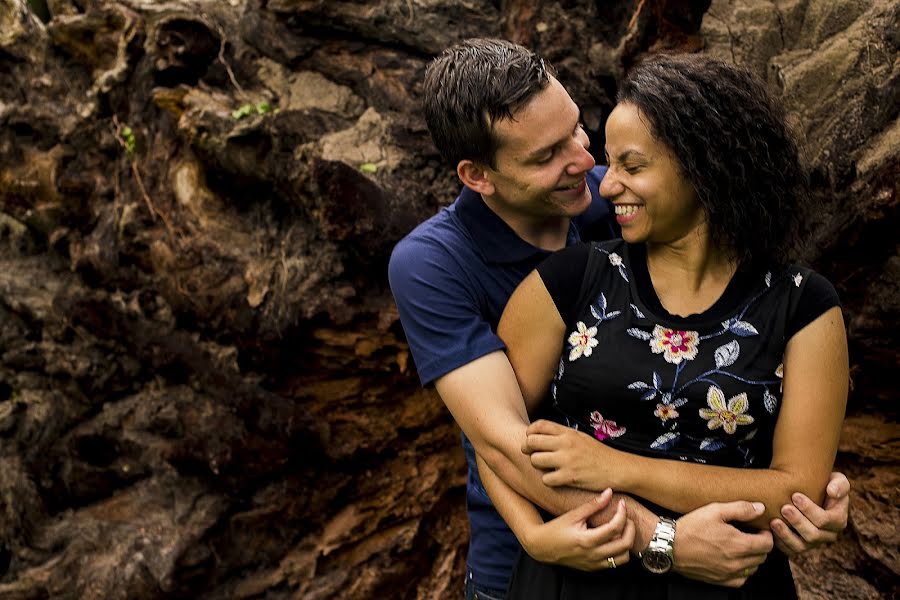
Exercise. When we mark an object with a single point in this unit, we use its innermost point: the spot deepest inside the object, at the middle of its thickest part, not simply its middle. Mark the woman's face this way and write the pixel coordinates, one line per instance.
(654, 202)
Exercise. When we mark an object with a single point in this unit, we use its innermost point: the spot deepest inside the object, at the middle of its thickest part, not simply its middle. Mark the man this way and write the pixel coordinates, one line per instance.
(499, 116)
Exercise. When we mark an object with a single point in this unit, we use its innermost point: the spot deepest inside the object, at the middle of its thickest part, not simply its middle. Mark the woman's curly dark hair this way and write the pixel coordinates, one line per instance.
(731, 141)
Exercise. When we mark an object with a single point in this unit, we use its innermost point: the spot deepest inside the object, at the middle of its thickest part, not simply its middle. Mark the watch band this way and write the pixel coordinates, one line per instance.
(658, 557)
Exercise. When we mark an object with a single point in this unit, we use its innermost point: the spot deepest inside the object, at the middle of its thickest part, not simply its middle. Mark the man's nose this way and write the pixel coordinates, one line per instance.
(583, 160)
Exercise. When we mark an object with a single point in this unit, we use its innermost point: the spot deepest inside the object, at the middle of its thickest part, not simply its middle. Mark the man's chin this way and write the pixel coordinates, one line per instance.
(572, 206)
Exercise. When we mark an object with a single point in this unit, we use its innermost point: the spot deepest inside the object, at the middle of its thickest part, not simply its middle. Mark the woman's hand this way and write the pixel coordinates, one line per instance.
(569, 457)
(552, 542)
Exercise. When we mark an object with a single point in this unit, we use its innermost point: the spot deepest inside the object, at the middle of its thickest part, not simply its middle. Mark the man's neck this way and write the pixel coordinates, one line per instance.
(547, 233)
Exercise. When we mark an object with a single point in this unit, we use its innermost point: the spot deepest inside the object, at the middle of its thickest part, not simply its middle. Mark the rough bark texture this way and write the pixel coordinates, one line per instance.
(204, 388)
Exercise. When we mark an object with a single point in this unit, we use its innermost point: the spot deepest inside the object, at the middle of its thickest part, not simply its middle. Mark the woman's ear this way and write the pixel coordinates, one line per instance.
(475, 176)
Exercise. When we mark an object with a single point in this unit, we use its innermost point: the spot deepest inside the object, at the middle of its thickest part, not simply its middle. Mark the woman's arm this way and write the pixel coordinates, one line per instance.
(533, 332)
(804, 446)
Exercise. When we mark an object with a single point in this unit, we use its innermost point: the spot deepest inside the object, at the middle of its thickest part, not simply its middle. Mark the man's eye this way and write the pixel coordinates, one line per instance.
(632, 169)
(545, 159)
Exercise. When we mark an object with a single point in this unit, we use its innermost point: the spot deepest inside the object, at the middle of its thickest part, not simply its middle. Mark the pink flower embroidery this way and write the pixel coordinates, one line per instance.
(603, 428)
(675, 345)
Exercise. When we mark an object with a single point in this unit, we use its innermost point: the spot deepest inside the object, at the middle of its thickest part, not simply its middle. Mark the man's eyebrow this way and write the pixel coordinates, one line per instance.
(543, 150)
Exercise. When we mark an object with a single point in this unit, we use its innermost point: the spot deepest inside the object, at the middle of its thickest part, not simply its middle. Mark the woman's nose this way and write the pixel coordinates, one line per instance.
(610, 186)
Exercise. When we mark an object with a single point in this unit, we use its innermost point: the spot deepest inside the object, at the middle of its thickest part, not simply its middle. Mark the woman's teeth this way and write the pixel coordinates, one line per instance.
(626, 209)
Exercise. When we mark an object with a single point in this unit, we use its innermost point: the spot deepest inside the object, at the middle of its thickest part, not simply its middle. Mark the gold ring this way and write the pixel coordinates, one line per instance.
(746, 572)
(611, 562)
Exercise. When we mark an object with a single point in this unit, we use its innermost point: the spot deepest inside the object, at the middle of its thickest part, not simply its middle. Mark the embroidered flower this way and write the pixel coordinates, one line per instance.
(604, 428)
(582, 341)
(675, 345)
(798, 278)
(614, 259)
(727, 417)
(779, 373)
(665, 412)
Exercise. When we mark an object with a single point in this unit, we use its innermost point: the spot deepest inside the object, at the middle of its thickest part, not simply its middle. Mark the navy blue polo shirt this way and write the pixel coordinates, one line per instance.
(451, 278)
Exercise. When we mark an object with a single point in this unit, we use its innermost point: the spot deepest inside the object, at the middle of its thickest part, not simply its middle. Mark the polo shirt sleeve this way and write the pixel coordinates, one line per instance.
(439, 311)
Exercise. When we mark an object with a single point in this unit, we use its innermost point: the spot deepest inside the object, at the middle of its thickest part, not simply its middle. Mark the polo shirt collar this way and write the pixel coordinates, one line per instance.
(496, 240)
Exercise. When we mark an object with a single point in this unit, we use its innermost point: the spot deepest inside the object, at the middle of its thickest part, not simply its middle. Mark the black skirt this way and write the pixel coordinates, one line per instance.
(533, 580)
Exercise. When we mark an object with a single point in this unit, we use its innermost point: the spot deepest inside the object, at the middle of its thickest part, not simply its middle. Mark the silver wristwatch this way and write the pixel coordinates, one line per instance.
(657, 558)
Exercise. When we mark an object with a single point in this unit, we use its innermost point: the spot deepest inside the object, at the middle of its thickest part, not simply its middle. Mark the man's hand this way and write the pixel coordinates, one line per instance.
(568, 457)
(812, 525)
(709, 549)
(569, 541)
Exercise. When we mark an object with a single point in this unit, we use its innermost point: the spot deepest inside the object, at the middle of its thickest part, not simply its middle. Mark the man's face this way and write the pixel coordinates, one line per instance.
(542, 158)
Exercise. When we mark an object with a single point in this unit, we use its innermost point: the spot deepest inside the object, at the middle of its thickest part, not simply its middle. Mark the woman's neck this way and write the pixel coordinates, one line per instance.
(690, 274)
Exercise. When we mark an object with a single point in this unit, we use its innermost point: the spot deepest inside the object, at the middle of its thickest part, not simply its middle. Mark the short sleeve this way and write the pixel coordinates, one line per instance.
(817, 296)
(439, 311)
(562, 273)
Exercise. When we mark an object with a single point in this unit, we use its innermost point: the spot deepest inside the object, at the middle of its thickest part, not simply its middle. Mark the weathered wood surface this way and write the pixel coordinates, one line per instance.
(204, 389)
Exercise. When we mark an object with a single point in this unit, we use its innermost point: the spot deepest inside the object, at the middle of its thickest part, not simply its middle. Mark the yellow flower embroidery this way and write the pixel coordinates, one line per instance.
(727, 417)
(582, 341)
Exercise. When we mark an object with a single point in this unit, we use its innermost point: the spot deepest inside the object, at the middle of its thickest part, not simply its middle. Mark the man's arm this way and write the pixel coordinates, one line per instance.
(485, 400)
(569, 539)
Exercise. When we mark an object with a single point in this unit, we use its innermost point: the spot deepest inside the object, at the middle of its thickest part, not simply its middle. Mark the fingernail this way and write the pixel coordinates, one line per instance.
(759, 507)
(786, 511)
(798, 500)
(622, 503)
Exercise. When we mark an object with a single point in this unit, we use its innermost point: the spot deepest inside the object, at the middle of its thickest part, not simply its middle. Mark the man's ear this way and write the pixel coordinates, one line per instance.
(475, 176)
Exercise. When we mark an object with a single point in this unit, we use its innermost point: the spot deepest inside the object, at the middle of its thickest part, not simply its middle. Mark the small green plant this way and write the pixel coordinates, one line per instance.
(245, 110)
(368, 168)
(129, 139)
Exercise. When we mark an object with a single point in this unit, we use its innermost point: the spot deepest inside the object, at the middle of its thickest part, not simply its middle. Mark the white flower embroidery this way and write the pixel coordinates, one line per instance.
(797, 279)
(665, 412)
(582, 341)
(614, 259)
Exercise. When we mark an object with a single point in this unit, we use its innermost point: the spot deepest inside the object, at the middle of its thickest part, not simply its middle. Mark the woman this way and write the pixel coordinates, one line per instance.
(710, 368)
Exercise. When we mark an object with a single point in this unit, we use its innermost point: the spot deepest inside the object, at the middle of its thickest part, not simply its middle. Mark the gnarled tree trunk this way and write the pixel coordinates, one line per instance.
(204, 388)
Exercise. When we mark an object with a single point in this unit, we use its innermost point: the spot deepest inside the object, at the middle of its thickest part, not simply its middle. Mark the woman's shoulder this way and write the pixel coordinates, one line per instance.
(802, 279)
(809, 295)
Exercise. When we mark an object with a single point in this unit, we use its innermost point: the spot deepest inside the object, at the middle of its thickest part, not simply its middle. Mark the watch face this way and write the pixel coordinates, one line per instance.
(656, 562)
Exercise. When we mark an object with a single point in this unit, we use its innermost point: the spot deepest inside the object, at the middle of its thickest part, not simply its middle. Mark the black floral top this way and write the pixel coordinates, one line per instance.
(704, 388)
